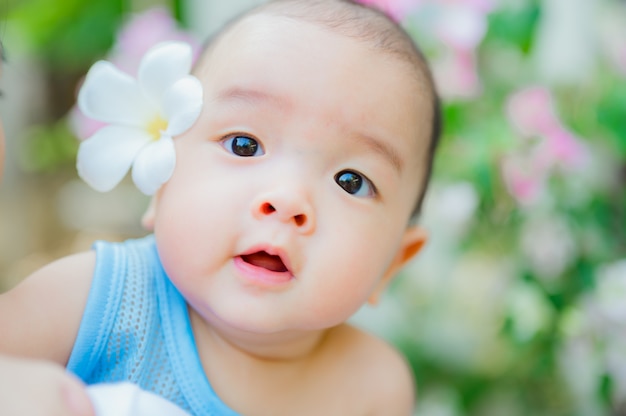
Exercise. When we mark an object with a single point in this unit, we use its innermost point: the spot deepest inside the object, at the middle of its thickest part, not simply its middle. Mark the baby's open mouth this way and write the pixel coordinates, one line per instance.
(265, 260)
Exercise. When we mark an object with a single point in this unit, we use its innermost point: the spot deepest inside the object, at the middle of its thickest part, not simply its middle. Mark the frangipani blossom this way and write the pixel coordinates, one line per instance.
(142, 115)
(140, 33)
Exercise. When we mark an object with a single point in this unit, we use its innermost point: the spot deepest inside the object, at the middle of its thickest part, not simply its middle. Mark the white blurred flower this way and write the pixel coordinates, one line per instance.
(603, 315)
(143, 116)
(461, 313)
(439, 401)
(582, 368)
(463, 24)
(609, 298)
(451, 207)
(548, 244)
(613, 33)
(566, 41)
(529, 310)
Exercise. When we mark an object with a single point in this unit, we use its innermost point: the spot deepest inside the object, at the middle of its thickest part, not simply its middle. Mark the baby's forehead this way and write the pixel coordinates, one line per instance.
(258, 30)
(380, 38)
(259, 41)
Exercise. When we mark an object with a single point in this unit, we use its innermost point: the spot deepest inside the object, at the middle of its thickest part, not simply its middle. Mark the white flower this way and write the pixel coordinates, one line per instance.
(548, 244)
(143, 116)
(608, 297)
(529, 310)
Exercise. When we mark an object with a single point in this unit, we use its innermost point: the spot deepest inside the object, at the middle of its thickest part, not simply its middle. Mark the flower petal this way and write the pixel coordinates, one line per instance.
(183, 121)
(111, 96)
(182, 104)
(105, 157)
(154, 165)
(162, 66)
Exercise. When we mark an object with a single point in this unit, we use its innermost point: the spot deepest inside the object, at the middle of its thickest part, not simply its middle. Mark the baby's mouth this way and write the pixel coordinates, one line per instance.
(266, 261)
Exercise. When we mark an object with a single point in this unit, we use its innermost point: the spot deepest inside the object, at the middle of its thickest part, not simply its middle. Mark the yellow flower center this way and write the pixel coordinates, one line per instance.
(156, 127)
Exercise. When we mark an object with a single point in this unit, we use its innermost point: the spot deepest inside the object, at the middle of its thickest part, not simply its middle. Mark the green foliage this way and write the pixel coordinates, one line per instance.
(48, 149)
(69, 34)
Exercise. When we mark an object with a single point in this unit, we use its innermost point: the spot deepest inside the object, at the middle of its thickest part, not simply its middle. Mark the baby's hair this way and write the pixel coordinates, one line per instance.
(373, 27)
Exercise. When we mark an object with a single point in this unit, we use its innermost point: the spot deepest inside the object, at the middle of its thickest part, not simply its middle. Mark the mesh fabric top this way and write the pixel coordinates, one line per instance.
(136, 328)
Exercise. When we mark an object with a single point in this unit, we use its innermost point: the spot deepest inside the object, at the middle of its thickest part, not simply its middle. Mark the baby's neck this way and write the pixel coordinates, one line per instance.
(287, 346)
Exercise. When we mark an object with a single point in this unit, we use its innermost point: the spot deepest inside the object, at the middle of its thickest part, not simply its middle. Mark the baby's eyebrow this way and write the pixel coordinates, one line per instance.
(251, 96)
(384, 149)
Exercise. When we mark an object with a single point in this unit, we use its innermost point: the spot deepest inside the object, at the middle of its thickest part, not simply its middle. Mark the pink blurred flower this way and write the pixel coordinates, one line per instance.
(456, 74)
(567, 150)
(532, 111)
(524, 177)
(142, 32)
(460, 26)
(396, 9)
(135, 38)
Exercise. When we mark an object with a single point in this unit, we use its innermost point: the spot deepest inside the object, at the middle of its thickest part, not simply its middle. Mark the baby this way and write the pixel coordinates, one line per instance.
(292, 203)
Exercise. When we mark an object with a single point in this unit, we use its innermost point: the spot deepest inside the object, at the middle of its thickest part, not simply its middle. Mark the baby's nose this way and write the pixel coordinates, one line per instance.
(287, 206)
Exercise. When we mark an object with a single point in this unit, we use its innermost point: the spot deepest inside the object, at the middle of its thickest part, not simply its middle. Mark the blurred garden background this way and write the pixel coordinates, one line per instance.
(518, 304)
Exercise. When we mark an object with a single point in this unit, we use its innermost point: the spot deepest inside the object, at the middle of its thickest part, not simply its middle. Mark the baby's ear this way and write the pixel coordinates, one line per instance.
(147, 220)
(412, 243)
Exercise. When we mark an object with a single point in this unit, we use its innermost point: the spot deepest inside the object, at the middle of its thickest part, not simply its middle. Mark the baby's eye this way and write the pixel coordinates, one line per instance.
(355, 184)
(243, 146)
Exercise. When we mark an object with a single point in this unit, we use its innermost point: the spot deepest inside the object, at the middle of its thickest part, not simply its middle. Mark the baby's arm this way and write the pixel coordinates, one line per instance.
(39, 320)
(40, 317)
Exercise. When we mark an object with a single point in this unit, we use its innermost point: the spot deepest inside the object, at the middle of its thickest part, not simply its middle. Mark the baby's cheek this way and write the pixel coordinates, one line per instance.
(351, 283)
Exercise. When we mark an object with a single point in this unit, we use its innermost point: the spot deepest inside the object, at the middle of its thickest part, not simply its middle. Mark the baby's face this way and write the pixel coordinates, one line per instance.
(291, 195)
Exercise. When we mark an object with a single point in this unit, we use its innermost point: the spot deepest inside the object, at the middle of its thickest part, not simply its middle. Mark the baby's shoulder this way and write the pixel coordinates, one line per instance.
(375, 371)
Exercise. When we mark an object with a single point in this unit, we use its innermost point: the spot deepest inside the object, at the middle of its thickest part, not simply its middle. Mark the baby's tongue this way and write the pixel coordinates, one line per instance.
(266, 261)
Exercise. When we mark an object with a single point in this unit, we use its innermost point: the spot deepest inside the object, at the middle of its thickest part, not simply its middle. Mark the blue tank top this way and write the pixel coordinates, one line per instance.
(136, 328)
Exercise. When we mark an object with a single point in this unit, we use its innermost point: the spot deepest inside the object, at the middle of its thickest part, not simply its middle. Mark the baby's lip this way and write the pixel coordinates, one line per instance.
(266, 261)
(269, 258)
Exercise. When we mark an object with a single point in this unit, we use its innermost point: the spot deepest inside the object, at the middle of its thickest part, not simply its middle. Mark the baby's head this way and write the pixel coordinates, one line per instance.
(291, 199)
(382, 35)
